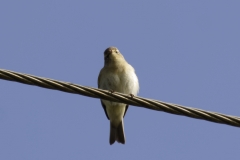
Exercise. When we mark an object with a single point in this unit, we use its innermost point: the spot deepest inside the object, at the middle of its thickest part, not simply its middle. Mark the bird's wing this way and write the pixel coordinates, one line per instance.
(104, 107)
(125, 110)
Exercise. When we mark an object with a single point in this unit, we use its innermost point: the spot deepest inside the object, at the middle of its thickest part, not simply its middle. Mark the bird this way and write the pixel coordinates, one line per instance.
(117, 76)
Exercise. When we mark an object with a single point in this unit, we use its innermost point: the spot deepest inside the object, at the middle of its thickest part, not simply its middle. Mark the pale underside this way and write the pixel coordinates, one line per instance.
(122, 80)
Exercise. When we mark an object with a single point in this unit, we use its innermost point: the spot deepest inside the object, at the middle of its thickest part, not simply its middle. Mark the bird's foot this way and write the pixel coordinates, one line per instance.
(131, 95)
(111, 91)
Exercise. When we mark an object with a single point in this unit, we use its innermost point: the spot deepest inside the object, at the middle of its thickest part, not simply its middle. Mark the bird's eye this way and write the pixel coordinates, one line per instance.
(116, 51)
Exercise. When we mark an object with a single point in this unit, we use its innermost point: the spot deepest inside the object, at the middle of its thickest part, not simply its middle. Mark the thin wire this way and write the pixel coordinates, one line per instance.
(119, 97)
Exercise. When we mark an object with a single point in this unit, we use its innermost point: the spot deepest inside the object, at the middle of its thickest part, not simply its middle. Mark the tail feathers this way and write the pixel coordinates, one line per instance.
(117, 134)
(113, 134)
(120, 133)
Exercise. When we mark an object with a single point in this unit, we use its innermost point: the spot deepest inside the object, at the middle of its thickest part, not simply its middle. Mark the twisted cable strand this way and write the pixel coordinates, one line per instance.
(119, 97)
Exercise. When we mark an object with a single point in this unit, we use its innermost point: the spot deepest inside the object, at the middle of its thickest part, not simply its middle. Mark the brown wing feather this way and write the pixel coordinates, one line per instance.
(125, 110)
(104, 107)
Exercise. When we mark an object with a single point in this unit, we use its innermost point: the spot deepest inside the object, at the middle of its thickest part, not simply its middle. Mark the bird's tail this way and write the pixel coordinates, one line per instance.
(117, 134)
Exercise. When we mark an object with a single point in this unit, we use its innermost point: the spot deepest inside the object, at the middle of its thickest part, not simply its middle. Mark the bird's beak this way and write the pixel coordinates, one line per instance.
(108, 53)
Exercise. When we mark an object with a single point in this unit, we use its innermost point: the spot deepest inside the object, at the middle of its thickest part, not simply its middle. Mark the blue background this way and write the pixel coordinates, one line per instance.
(185, 52)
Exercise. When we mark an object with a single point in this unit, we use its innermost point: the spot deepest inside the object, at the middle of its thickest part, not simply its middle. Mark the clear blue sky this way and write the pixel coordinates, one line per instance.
(185, 52)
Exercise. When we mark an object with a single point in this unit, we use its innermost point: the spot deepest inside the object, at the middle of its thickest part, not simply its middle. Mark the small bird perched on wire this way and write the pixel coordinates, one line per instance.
(117, 76)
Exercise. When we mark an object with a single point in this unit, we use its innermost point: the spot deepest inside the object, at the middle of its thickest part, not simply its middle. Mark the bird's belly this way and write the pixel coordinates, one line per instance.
(124, 83)
(115, 111)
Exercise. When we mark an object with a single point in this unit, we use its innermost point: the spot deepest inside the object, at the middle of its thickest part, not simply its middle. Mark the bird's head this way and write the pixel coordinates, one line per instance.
(112, 54)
